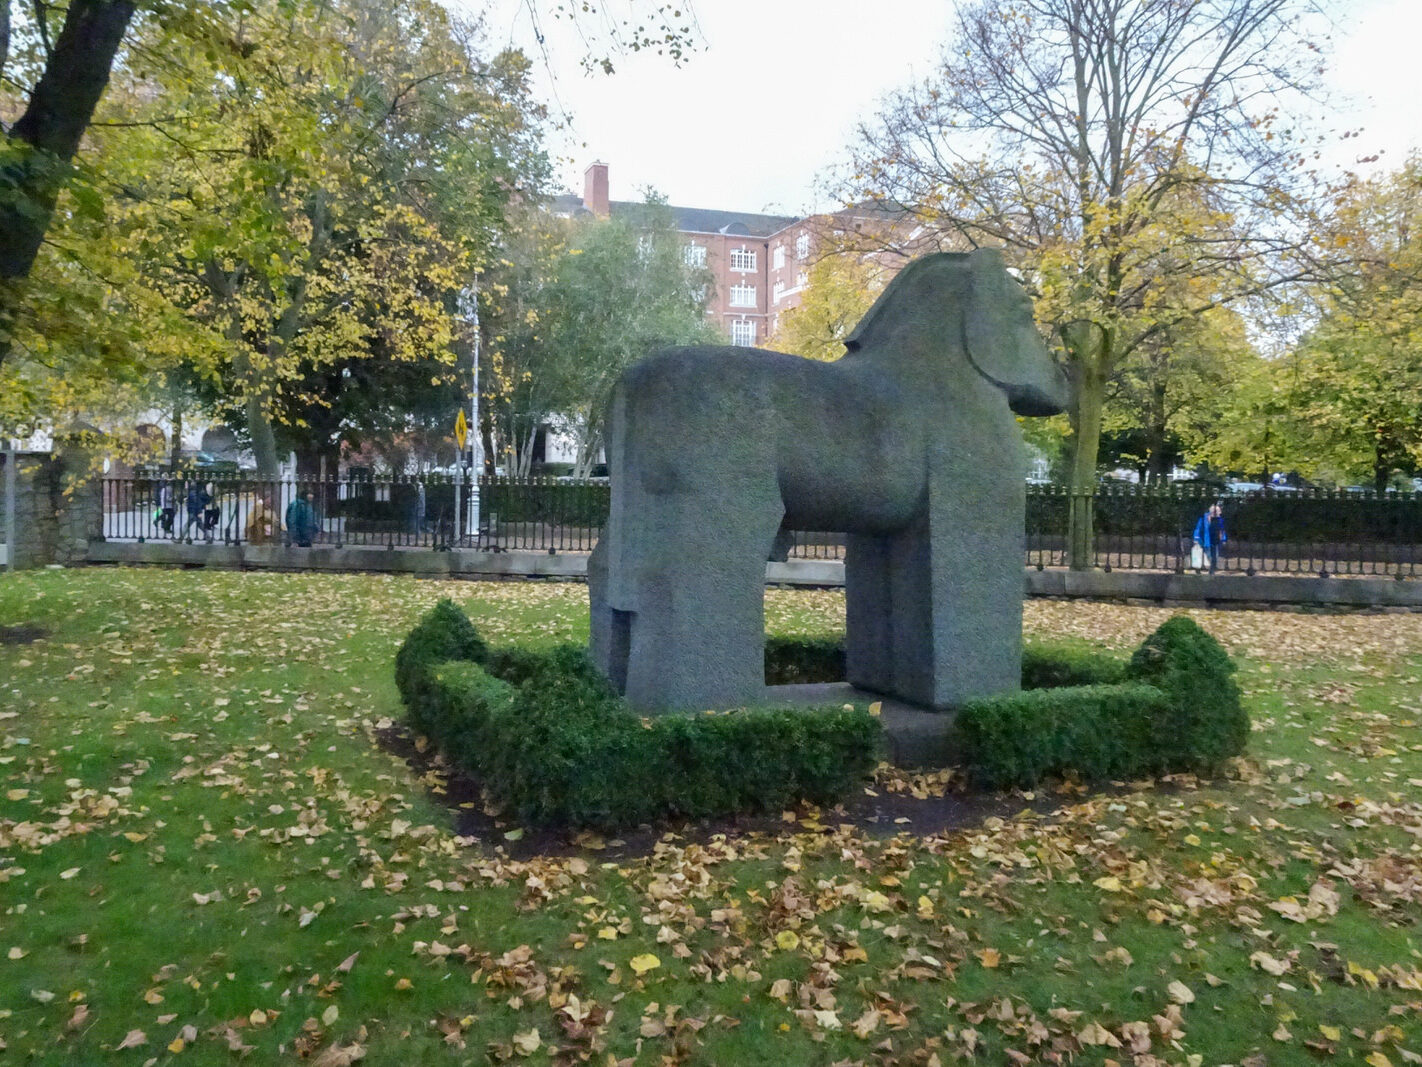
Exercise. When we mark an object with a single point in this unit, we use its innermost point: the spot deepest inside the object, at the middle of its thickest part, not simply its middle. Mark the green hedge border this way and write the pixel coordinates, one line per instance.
(1176, 708)
(553, 743)
(1045, 664)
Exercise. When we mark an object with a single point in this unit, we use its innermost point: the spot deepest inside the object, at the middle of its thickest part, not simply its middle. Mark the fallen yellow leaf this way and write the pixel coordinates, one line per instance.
(642, 964)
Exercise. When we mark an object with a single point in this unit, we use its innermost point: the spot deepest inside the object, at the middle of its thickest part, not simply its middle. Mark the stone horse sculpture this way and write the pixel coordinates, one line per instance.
(908, 444)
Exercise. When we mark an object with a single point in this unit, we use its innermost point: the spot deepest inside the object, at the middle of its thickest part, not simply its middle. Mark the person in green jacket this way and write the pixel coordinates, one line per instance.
(301, 520)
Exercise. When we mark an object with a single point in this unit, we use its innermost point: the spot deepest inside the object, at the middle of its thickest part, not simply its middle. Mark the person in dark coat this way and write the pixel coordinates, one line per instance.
(198, 500)
(1210, 534)
(301, 520)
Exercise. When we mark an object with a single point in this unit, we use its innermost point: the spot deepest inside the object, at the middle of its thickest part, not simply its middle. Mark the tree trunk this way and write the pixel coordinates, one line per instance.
(43, 140)
(490, 456)
(259, 429)
(4, 35)
(321, 463)
(587, 453)
(1089, 387)
(175, 459)
(523, 461)
(1381, 469)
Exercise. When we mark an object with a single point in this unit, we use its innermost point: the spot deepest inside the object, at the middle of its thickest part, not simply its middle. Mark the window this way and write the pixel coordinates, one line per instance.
(801, 279)
(779, 291)
(802, 246)
(694, 255)
(742, 259)
(743, 333)
(743, 296)
(777, 258)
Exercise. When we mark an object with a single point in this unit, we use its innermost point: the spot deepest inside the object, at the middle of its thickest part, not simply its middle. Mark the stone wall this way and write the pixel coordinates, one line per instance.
(58, 508)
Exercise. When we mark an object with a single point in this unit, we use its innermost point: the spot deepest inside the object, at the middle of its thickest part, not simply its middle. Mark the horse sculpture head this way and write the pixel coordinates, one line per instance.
(998, 334)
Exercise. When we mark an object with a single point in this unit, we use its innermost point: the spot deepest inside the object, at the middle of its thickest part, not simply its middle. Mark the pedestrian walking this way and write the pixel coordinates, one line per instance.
(167, 508)
(1208, 538)
(262, 525)
(197, 501)
(301, 520)
(211, 513)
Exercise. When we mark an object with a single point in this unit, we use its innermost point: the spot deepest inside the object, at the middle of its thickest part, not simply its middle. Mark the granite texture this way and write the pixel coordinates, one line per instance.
(908, 444)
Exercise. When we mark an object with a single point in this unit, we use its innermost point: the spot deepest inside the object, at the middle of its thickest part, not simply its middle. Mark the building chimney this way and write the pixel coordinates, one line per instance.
(595, 189)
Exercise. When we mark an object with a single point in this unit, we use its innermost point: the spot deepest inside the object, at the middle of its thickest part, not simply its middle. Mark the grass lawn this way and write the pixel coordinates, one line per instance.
(204, 853)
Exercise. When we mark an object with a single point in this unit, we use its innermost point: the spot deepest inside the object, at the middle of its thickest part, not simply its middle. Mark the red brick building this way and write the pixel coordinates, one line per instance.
(758, 262)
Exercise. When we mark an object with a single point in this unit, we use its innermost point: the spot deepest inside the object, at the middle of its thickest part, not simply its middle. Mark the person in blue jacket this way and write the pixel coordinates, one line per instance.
(301, 525)
(1210, 534)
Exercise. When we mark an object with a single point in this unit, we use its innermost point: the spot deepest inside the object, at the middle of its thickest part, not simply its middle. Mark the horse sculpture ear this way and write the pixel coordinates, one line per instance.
(1002, 342)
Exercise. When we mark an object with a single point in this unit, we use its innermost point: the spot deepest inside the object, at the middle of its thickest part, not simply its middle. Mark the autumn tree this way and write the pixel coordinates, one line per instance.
(55, 62)
(593, 296)
(1111, 147)
(1172, 389)
(63, 76)
(417, 148)
(840, 287)
(1356, 379)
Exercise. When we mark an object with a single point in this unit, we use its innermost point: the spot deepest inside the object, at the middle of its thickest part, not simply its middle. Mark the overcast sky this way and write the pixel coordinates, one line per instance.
(753, 120)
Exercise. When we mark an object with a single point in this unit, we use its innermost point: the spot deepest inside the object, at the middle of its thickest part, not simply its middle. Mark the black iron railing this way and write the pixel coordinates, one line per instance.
(1309, 532)
(425, 511)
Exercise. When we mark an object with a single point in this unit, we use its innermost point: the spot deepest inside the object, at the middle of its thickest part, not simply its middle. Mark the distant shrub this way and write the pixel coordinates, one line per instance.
(555, 744)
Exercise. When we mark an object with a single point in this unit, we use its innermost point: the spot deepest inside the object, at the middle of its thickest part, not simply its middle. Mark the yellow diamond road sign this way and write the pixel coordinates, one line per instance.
(461, 430)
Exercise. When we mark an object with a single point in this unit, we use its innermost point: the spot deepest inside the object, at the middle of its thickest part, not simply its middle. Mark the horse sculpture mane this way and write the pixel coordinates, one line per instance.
(901, 285)
(908, 444)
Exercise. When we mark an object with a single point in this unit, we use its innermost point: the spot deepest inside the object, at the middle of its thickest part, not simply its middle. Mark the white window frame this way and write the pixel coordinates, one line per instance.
(743, 333)
(743, 259)
(779, 291)
(802, 246)
(694, 255)
(742, 296)
(777, 257)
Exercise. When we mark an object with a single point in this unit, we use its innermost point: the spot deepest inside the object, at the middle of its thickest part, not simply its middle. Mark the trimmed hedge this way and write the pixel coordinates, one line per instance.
(1206, 724)
(1053, 666)
(444, 634)
(794, 660)
(1099, 731)
(1178, 709)
(798, 660)
(555, 744)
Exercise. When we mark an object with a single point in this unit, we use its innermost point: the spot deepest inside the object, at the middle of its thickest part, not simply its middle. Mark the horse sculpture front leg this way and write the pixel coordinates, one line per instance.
(695, 637)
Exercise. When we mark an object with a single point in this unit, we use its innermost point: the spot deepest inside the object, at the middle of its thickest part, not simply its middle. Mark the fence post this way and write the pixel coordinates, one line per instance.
(11, 459)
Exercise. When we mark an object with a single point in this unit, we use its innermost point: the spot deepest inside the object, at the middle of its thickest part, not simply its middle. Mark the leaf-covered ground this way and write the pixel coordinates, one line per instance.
(205, 854)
